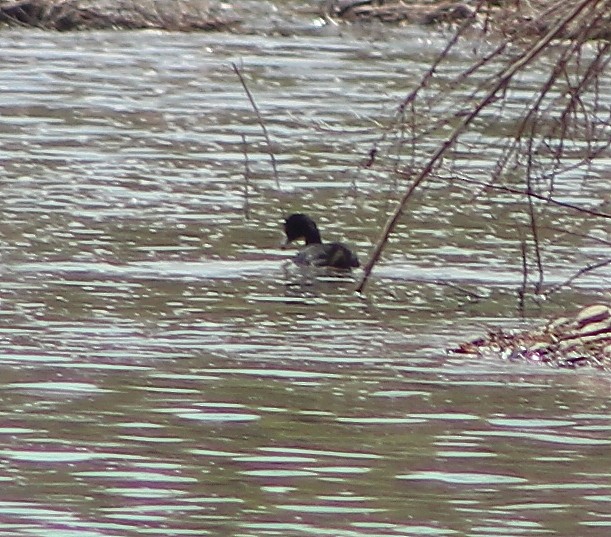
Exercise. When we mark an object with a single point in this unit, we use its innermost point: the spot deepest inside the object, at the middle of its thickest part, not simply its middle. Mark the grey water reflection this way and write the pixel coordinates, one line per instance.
(166, 372)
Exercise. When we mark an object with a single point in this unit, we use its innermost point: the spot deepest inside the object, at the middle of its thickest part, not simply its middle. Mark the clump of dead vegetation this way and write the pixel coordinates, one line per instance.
(67, 15)
(582, 339)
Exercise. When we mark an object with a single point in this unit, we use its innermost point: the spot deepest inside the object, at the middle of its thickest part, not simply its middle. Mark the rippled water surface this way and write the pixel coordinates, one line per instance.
(165, 371)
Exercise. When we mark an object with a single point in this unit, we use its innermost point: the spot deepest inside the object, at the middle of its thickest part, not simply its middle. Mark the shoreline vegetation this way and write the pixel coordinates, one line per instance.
(78, 15)
(505, 17)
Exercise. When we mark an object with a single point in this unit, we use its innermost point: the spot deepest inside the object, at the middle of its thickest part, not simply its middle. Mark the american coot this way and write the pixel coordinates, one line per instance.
(332, 254)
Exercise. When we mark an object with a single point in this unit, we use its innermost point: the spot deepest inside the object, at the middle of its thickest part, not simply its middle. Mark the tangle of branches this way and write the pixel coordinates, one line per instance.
(548, 138)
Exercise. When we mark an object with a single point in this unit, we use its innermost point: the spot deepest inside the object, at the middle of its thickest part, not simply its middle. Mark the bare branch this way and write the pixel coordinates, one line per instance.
(503, 78)
(260, 120)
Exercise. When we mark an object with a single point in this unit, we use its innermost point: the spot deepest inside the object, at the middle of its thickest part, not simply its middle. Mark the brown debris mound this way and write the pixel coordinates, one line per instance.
(66, 15)
(581, 340)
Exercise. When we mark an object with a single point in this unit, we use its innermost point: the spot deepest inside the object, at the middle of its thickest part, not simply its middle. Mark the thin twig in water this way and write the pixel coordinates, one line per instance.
(260, 120)
(522, 290)
(580, 272)
(532, 215)
(246, 178)
(522, 192)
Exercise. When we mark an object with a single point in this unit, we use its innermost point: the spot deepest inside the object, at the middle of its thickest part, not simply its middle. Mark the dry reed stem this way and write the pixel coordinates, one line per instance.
(260, 120)
(246, 179)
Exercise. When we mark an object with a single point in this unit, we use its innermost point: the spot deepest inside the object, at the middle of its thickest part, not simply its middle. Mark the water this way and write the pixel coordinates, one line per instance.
(166, 372)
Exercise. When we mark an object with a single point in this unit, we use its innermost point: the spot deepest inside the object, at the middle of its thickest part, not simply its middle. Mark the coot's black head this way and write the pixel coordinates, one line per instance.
(301, 226)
